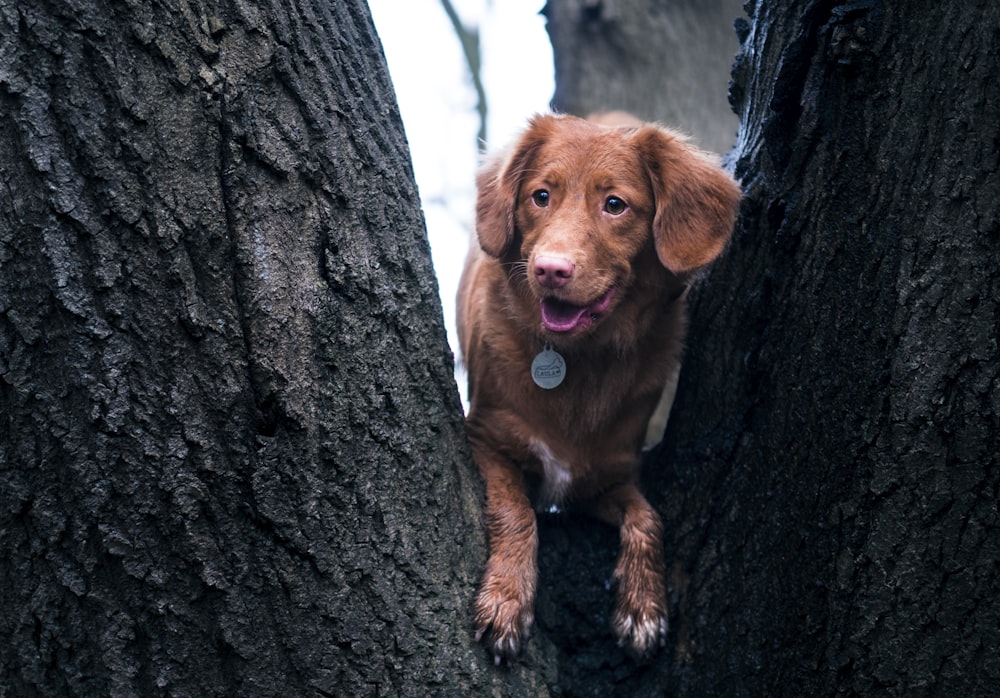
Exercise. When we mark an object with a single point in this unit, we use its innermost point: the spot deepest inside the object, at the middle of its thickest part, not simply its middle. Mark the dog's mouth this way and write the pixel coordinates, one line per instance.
(560, 316)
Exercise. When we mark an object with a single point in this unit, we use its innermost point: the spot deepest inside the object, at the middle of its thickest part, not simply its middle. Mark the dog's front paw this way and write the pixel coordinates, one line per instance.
(640, 618)
(640, 631)
(503, 616)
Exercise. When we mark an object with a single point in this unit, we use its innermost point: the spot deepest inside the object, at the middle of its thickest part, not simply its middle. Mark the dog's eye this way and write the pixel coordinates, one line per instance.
(615, 206)
(541, 198)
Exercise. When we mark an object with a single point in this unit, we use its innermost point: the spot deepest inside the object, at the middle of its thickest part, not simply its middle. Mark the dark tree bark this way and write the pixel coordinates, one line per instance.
(232, 454)
(840, 422)
(662, 61)
(829, 478)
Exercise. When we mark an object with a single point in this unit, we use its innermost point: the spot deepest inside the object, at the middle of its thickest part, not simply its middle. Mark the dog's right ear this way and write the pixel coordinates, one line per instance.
(496, 195)
(498, 184)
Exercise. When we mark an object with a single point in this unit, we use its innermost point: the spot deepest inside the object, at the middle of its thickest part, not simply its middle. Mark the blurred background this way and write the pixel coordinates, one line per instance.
(436, 86)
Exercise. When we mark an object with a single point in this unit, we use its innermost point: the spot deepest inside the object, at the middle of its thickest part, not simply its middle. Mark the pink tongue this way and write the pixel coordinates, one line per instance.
(559, 316)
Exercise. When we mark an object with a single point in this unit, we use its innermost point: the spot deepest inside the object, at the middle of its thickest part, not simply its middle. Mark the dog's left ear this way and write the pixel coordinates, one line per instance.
(696, 200)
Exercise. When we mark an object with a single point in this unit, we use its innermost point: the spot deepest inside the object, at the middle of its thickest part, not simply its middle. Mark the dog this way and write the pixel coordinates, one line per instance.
(571, 319)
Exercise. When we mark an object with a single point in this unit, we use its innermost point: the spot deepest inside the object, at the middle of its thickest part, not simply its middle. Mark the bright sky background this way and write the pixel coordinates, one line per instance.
(438, 104)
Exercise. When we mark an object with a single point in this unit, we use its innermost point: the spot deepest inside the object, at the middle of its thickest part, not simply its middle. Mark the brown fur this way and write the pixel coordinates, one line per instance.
(579, 442)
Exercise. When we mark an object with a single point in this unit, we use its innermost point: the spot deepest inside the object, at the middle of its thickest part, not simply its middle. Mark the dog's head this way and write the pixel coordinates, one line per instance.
(578, 205)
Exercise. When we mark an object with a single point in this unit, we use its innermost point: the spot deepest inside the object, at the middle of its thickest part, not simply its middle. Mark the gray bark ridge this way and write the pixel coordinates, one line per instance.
(661, 61)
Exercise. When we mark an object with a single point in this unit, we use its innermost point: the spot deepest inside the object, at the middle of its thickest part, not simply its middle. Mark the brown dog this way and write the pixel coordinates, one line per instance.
(571, 317)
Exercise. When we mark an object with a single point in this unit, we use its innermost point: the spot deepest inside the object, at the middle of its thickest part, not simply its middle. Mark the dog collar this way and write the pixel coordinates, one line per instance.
(548, 369)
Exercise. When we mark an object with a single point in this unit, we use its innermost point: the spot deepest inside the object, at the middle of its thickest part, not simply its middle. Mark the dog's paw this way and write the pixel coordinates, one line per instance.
(640, 632)
(502, 621)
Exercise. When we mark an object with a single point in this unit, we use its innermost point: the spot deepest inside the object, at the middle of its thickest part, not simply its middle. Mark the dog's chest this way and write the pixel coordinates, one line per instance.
(556, 477)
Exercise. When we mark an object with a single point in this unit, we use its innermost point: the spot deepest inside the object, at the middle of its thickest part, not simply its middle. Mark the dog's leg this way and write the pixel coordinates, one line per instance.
(504, 608)
(640, 616)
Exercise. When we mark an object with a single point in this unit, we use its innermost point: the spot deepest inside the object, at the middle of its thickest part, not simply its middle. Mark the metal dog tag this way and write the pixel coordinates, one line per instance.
(548, 369)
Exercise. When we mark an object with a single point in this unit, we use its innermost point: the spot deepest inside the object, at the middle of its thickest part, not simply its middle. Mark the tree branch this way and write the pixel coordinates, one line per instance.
(469, 37)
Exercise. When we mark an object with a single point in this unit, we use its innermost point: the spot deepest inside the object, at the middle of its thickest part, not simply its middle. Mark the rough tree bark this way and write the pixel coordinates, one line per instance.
(829, 476)
(232, 460)
(662, 61)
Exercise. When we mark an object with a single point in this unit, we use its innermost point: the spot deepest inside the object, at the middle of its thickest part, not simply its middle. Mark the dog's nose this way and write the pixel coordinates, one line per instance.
(552, 271)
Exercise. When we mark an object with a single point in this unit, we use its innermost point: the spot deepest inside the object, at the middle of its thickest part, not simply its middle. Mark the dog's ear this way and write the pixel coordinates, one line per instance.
(498, 185)
(496, 194)
(696, 200)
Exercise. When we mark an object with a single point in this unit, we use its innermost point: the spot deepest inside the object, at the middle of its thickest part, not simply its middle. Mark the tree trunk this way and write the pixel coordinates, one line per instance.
(662, 61)
(233, 461)
(834, 475)
(829, 477)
